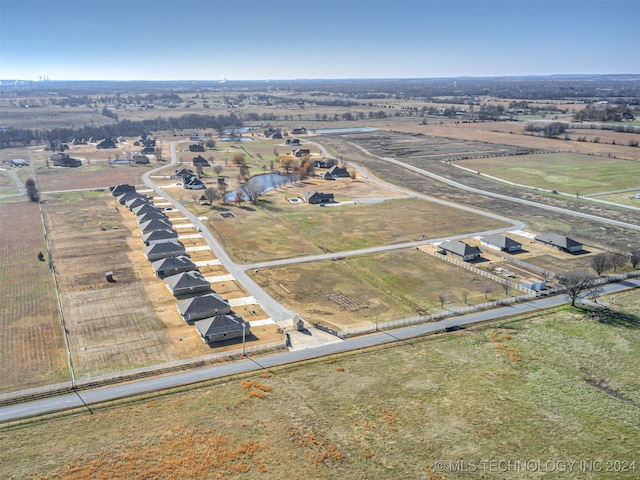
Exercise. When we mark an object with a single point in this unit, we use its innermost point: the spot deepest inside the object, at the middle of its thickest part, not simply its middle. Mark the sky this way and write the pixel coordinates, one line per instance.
(317, 39)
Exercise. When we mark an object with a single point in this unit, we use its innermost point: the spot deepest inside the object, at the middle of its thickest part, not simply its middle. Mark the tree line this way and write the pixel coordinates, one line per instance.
(128, 128)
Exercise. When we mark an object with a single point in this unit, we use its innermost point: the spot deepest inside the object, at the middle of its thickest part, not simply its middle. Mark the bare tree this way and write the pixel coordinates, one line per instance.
(158, 152)
(253, 189)
(634, 258)
(218, 169)
(579, 284)
(442, 298)
(465, 296)
(211, 194)
(616, 260)
(506, 286)
(599, 263)
(487, 289)
(210, 143)
(222, 188)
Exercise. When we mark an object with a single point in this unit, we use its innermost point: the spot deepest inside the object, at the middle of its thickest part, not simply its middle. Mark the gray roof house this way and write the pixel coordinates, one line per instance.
(560, 242)
(157, 251)
(121, 188)
(203, 306)
(460, 249)
(123, 198)
(155, 224)
(165, 267)
(502, 243)
(315, 198)
(134, 202)
(140, 209)
(336, 172)
(186, 283)
(145, 217)
(222, 327)
(159, 236)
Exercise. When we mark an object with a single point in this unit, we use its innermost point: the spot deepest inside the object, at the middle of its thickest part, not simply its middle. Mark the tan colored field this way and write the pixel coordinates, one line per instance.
(32, 351)
(512, 133)
(561, 387)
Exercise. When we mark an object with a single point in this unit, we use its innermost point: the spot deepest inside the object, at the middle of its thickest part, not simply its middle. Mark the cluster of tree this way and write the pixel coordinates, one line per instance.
(548, 129)
(127, 128)
(606, 113)
(605, 261)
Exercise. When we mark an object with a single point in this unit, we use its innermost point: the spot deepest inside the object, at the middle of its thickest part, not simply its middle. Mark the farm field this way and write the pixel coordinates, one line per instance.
(558, 386)
(392, 285)
(32, 351)
(564, 172)
(7, 184)
(256, 234)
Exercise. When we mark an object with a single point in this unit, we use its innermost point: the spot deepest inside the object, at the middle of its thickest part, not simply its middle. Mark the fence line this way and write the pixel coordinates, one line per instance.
(474, 269)
(137, 373)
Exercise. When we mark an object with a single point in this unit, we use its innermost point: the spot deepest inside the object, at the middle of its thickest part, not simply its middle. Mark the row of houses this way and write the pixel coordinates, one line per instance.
(502, 243)
(197, 303)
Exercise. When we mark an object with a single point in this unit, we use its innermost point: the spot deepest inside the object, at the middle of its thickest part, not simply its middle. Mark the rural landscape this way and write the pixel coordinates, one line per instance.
(156, 229)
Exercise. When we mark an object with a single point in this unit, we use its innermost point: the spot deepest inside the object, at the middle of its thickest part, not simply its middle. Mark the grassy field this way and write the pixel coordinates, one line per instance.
(404, 283)
(32, 351)
(258, 233)
(565, 172)
(560, 386)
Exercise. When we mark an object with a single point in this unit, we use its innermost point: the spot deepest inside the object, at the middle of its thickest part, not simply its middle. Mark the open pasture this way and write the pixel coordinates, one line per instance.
(564, 381)
(32, 351)
(405, 283)
(564, 172)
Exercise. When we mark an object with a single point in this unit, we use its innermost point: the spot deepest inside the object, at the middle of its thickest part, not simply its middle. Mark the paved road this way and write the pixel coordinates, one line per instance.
(89, 397)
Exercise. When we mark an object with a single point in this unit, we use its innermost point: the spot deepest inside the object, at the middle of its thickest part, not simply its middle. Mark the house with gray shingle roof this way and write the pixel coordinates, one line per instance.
(148, 207)
(155, 224)
(173, 265)
(145, 217)
(121, 188)
(159, 236)
(203, 306)
(134, 202)
(157, 251)
(559, 242)
(186, 283)
(460, 250)
(502, 243)
(222, 327)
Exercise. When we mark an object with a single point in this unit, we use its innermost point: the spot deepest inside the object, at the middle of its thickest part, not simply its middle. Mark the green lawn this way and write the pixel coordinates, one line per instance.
(564, 172)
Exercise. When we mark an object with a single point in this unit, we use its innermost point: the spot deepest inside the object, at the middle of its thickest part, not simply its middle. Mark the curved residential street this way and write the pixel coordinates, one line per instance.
(278, 312)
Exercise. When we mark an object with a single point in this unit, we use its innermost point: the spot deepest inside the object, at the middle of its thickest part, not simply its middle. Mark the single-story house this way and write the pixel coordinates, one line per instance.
(336, 172)
(107, 143)
(195, 137)
(126, 196)
(299, 131)
(186, 283)
(203, 306)
(301, 152)
(192, 183)
(534, 283)
(159, 236)
(64, 160)
(137, 201)
(145, 217)
(316, 198)
(157, 251)
(200, 160)
(276, 136)
(184, 172)
(155, 224)
(502, 243)
(141, 160)
(222, 327)
(173, 265)
(148, 150)
(145, 208)
(121, 188)
(324, 163)
(460, 249)
(293, 142)
(18, 162)
(196, 148)
(559, 242)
